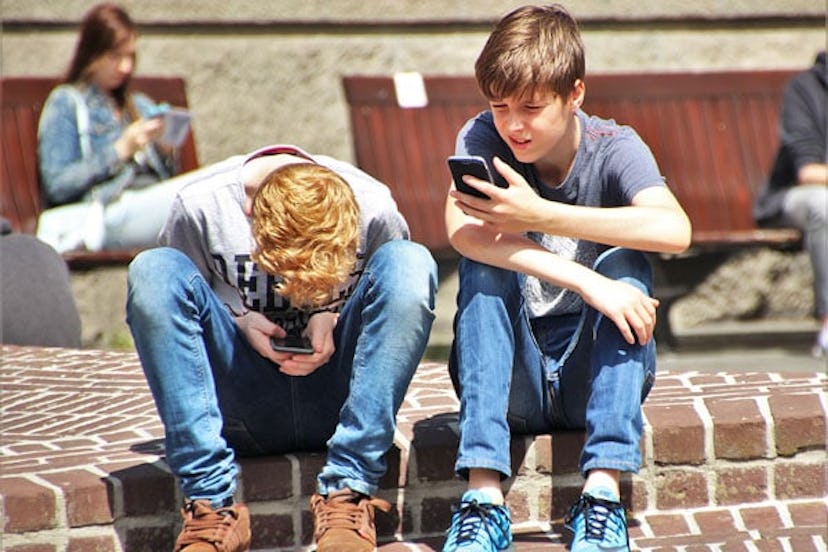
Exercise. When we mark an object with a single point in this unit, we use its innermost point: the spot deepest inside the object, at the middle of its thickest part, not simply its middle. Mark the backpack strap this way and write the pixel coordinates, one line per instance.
(82, 117)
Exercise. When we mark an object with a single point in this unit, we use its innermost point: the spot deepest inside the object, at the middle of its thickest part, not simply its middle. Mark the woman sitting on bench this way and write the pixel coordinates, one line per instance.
(104, 153)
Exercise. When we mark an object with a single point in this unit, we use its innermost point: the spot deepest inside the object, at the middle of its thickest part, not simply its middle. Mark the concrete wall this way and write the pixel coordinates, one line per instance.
(262, 72)
(270, 71)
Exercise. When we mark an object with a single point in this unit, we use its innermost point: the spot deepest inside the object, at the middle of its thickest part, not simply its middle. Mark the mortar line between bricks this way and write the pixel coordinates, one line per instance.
(711, 479)
(649, 463)
(785, 514)
(738, 520)
(61, 515)
(296, 490)
(763, 403)
(751, 546)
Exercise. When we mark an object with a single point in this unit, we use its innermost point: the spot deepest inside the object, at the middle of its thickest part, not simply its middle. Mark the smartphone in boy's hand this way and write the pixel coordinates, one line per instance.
(292, 343)
(473, 165)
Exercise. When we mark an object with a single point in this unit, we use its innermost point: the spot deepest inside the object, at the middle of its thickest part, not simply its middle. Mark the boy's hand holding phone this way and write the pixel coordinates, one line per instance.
(292, 343)
(473, 165)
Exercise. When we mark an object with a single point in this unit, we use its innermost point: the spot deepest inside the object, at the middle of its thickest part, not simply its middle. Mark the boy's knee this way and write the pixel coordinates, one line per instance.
(482, 277)
(408, 265)
(628, 265)
(152, 272)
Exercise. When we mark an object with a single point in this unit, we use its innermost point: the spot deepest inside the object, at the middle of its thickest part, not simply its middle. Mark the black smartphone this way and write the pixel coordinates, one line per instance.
(296, 344)
(469, 164)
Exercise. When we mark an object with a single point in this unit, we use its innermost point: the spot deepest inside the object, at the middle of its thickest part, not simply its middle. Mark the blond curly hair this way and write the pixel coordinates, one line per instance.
(306, 227)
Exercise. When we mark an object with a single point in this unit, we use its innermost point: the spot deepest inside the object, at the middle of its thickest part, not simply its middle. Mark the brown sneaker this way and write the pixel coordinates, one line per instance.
(344, 521)
(206, 530)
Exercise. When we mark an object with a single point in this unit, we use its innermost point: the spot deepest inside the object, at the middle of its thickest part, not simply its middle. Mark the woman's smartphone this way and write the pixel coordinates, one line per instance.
(296, 344)
(474, 165)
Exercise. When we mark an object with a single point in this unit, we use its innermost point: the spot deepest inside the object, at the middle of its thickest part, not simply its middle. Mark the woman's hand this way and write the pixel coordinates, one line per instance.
(137, 135)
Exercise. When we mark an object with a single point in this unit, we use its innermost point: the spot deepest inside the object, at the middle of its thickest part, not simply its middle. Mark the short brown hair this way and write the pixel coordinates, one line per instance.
(306, 227)
(533, 48)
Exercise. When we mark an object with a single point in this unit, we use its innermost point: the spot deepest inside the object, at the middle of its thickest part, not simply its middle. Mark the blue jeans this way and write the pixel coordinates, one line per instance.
(216, 395)
(514, 374)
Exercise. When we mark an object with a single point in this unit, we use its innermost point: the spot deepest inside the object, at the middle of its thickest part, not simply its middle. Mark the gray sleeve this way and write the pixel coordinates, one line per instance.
(183, 231)
(629, 167)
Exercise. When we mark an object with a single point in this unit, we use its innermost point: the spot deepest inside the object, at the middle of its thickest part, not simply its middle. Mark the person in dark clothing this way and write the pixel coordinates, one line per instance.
(36, 302)
(796, 193)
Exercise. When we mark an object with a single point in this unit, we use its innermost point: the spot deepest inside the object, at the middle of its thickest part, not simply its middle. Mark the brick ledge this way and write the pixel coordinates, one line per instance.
(81, 465)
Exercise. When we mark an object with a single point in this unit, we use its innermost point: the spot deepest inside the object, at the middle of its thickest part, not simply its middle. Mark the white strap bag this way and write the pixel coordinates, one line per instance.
(75, 225)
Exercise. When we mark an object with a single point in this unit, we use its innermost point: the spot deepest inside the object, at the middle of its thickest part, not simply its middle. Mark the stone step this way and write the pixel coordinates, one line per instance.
(730, 458)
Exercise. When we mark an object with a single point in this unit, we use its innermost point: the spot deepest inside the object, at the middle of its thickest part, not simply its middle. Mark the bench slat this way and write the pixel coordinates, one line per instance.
(713, 134)
(20, 195)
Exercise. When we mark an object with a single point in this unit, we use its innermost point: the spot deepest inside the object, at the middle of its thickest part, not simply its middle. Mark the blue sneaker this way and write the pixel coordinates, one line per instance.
(479, 526)
(598, 522)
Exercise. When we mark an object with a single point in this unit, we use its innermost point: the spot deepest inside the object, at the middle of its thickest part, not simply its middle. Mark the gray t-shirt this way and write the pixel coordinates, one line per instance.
(207, 222)
(611, 166)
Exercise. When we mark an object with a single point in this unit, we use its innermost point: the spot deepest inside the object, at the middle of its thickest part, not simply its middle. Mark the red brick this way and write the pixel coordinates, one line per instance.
(563, 497)
(266, 478)
(310, 464)
(740, 485)
(763, 517)
(566, 450)
(27, 506)
(150, 538)
(518, 503)
(795, 480)
(639, 497)
(272, 531)
(391, 478)
(715, 522)
(769, 545)
(31, 548)
(739, 430)
(91, 544)
(436, 514)
(147, 489)
(387, 522)
(87, 497)
(809, 514)
(667, 524)
(435, 447)
(799, 421)
(678, 434)
(680, 489)
(307, 527)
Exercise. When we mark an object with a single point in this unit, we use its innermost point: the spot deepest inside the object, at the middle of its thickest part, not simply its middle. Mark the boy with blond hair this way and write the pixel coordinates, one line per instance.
(555, 317)
(276, 242)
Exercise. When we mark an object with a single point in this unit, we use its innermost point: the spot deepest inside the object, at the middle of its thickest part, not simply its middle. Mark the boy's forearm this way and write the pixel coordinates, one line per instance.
(657, 229)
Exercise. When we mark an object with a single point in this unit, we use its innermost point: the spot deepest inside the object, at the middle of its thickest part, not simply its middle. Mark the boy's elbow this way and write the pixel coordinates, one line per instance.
(682, 238)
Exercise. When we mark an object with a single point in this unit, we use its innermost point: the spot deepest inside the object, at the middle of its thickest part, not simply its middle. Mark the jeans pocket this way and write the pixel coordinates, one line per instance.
(239, 438)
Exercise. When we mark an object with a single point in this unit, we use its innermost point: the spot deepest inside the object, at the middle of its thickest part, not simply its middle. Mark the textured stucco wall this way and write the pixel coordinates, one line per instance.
(261, 72)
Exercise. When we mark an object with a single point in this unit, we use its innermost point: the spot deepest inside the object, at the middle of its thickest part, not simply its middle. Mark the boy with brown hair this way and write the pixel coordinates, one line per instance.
(272, 243)
(555, 317)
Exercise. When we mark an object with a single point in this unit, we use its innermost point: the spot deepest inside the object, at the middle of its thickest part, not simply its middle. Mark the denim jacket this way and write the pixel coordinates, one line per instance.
(69, 176)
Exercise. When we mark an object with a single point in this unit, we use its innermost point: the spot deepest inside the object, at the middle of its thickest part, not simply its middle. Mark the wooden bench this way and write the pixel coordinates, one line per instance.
(22, 99)
(713, 134)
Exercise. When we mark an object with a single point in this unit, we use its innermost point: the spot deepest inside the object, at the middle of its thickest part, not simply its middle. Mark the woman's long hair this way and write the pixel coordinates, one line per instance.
(103, 29)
